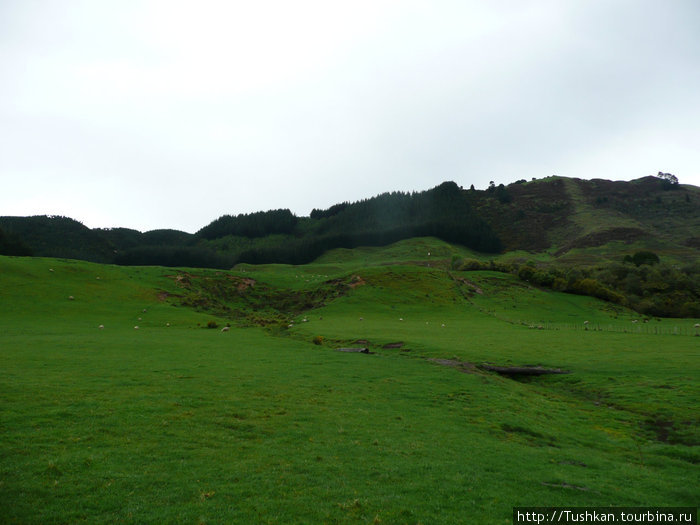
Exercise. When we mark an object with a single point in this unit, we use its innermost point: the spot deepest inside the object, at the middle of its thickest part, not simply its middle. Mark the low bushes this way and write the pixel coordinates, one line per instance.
(641, 282)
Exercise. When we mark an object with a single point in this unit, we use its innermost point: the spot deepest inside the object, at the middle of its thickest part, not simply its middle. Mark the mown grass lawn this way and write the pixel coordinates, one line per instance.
(183, 424)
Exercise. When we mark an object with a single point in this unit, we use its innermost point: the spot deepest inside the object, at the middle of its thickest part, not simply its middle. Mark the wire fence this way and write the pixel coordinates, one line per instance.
(650, 328)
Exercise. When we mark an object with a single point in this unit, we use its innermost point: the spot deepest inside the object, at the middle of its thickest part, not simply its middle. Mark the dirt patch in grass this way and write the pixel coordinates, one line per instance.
(253, 302)
(244, 284)
(462, 366)
(665, 430)
(362, 350)
(531, 437)
(564, 486)
(356, 281)
(520, 371)
(469, 283)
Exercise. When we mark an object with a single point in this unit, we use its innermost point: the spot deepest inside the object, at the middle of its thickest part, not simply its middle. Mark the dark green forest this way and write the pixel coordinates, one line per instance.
(443, 212)
(11, 244)
(275, 236)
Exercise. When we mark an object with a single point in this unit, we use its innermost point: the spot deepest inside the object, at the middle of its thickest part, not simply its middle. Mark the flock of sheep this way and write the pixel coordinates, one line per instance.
(305, 319)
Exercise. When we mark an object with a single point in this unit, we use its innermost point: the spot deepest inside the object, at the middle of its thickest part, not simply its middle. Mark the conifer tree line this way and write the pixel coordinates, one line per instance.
(275, 236)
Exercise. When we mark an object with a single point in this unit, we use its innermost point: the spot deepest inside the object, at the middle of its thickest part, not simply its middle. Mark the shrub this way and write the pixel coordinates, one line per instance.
(643, 257)
(543, 278)
(469, 265)
(559, 284)
(212, 324)
(318, 340)
(502, 194)
(593, 288)
(526, 272)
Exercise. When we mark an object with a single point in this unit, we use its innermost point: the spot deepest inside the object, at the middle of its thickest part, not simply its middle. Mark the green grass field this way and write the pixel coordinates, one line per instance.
(177, 423)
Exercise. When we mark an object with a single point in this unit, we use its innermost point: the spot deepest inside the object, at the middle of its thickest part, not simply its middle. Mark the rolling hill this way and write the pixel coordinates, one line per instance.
(567, 234)
(570, 219)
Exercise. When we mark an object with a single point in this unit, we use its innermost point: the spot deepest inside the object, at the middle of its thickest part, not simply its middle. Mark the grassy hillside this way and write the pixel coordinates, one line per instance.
(177, 422)
(585, 221)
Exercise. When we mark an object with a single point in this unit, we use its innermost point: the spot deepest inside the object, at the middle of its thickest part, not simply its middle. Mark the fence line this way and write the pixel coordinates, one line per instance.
(645, 328)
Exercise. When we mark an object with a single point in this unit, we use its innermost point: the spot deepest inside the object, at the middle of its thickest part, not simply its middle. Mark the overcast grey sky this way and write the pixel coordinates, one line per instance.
(167, 114)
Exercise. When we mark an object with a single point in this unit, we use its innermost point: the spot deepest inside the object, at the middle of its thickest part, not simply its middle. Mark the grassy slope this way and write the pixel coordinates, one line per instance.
(183, 424)
(657, 227)
(591, 221)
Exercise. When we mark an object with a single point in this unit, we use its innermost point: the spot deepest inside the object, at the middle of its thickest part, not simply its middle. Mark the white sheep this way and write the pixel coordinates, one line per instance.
(71, 298)
(136, 327)
(101, 327)
(225, 329)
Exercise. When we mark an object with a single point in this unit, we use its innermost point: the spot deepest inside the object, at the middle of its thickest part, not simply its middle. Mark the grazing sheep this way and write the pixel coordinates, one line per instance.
(225, 329)
(400, 318)
(362, 318)
(101, 327)
(443, 325)
(167, 324)
(139, 318)
(136, 327)
(71, 298)
(144, 310)
(51, 269)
